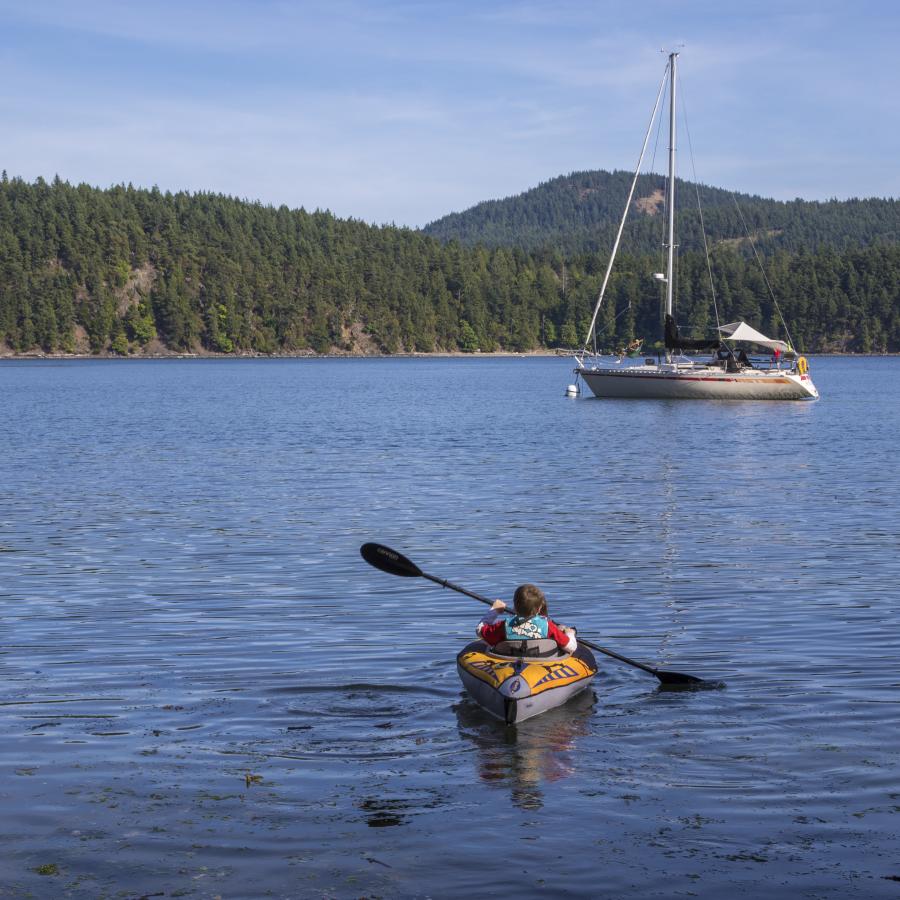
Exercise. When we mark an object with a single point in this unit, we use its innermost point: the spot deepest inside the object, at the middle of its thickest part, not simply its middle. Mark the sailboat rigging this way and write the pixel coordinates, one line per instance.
(729, 374)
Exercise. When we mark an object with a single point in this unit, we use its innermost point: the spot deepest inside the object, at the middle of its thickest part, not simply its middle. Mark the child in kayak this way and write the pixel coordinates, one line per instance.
(530, 622)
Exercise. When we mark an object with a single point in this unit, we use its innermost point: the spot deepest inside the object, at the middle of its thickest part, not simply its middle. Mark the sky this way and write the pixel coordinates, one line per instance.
(400, 111)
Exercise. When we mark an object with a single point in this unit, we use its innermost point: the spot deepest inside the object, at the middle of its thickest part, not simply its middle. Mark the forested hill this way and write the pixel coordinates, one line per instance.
(580, 213)
(131, 271)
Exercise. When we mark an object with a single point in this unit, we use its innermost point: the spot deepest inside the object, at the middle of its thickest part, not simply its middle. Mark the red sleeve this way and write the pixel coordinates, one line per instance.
(554, 632)
(494, 633)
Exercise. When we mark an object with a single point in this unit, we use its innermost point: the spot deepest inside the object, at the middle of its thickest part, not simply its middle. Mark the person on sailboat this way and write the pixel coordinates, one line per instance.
(726, 358)
(530, 622)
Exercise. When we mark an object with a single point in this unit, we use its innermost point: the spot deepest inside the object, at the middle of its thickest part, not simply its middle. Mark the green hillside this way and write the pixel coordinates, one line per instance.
(579, 213)
(134, 271)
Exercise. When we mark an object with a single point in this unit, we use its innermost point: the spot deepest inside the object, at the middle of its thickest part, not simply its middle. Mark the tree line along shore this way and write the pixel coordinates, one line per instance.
(128, 271)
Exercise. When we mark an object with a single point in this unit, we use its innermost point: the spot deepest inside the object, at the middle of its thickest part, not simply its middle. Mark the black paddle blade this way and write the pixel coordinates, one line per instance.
(389, 561)
(679, 680)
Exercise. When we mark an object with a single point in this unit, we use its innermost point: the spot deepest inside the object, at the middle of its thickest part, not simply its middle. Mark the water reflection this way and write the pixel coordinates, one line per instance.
(527, 757)
(384, 813)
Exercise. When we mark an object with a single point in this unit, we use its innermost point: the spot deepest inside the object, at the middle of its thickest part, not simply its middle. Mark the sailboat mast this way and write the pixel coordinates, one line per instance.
(670, 263)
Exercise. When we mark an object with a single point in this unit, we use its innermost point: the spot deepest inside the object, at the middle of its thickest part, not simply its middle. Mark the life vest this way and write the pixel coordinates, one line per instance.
(519, 628)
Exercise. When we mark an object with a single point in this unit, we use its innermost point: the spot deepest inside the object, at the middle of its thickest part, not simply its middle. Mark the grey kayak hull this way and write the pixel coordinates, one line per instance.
(515, 689)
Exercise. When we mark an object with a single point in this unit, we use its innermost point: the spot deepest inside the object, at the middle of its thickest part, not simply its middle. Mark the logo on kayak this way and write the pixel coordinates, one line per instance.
(557, 672)
(484, 665)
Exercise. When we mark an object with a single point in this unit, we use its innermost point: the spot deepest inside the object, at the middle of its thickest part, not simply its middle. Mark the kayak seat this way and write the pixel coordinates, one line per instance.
(542, 648)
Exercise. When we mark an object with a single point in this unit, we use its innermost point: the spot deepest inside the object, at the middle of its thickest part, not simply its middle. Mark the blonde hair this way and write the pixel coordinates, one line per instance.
(530, 601)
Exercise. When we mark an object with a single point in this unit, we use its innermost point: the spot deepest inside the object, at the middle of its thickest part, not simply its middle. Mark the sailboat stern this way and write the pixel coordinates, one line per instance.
(805, 386)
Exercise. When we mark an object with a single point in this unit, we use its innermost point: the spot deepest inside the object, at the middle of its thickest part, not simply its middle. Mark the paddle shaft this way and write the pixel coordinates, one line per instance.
(394, 563)
(631, 662)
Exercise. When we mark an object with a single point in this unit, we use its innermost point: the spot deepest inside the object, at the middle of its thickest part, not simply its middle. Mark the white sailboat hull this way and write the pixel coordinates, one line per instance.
(696, 383)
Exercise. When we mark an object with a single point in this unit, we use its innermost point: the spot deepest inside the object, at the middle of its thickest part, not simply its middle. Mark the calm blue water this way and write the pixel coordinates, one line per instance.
(205, 691)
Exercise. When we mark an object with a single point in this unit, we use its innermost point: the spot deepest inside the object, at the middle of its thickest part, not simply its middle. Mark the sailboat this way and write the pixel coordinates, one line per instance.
(729, 374)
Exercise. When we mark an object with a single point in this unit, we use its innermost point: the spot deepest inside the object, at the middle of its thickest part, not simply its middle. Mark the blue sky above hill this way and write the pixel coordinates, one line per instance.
(402, 111)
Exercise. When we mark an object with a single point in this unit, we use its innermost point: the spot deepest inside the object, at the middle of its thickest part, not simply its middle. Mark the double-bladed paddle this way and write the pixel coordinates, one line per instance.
(395, 563)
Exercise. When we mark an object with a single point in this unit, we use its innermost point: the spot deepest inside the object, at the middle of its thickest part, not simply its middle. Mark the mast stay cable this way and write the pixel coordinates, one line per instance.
(590, 333)
(712, 286)
(787, 331)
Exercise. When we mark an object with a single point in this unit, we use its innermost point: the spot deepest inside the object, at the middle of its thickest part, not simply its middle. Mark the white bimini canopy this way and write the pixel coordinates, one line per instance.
(741, 331)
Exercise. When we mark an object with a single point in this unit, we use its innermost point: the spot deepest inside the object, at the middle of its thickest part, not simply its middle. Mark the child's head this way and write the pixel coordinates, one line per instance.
(530, 601)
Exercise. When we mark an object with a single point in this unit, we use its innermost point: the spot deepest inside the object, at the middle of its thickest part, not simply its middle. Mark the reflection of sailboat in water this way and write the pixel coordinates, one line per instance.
(539, 752)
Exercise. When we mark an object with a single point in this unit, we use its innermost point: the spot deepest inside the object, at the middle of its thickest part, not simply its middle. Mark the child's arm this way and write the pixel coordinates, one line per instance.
(490, 628)
(564, 637)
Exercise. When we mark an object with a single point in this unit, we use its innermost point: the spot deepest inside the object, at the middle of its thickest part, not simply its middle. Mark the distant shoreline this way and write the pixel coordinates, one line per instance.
(496, 354)
(311, 355)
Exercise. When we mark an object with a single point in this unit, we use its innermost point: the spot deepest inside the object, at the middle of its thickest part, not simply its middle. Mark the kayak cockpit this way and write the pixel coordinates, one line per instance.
(540, 648)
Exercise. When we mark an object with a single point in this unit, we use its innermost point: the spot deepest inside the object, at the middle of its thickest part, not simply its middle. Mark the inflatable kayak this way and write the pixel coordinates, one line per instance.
(517, 680)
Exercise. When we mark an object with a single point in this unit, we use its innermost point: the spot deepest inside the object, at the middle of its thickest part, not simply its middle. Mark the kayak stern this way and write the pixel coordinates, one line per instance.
(514, 689)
